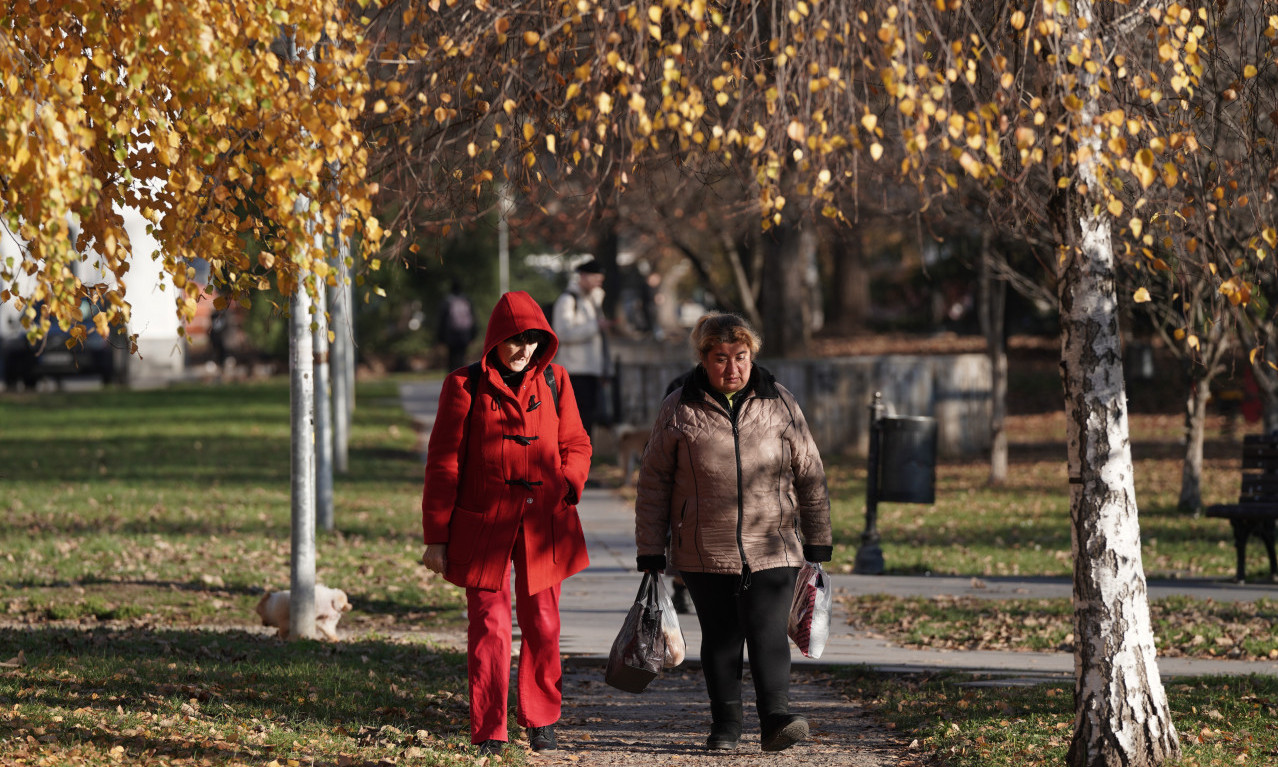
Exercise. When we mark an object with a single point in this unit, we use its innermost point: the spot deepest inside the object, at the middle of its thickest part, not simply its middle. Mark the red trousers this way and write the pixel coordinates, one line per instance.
(488, 641)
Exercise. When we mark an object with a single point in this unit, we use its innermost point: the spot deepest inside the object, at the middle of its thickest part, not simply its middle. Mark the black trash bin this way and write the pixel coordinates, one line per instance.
(907, 459)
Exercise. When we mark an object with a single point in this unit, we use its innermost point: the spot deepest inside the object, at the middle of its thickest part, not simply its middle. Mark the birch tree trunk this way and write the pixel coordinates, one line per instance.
(1191, 473)
(1121, 713)
(993, 302)
(301, 617)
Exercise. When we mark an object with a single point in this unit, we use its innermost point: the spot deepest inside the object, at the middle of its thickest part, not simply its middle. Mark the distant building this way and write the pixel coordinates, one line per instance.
(161, 356)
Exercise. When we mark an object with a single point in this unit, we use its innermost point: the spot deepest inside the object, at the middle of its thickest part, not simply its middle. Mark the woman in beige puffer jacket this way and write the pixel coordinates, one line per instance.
(733, 487)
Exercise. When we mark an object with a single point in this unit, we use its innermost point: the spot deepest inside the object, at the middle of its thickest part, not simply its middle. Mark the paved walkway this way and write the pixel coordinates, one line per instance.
(595, 601)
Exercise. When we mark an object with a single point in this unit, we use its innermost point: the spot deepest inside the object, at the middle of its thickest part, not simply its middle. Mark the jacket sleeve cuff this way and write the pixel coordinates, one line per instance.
(651, 562)
(813, 553)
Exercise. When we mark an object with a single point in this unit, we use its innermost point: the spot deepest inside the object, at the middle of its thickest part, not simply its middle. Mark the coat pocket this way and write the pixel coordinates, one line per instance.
(467, 531)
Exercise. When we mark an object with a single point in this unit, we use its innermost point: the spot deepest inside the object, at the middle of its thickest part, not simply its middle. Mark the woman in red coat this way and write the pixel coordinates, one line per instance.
(505, 465)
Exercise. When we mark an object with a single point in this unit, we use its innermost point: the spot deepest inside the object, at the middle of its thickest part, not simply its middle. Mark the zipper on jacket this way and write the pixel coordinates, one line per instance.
(733, 408)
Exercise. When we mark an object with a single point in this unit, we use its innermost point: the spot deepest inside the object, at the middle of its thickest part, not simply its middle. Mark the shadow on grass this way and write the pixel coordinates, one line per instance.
(217, 460)
(185, 681)
(1022, 721)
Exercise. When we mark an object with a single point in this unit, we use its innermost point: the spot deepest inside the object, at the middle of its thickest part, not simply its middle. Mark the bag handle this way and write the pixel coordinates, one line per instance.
(647, 588)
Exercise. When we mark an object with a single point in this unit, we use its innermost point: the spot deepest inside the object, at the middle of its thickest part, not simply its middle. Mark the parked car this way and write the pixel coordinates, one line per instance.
(103, 358)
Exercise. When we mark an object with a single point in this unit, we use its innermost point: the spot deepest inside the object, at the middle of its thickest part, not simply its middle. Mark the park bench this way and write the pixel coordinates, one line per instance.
(1257, 506)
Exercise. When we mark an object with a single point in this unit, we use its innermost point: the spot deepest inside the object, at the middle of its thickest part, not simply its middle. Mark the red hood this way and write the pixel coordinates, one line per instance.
(514, 313)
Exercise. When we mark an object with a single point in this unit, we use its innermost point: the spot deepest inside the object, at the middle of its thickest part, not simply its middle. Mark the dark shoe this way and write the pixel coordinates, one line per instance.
(542, 738)
(682, 602)
(725, 729)
(780, 731)
(491, 747)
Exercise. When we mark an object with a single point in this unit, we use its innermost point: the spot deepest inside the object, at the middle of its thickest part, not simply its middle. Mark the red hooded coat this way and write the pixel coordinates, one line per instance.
(524, 466)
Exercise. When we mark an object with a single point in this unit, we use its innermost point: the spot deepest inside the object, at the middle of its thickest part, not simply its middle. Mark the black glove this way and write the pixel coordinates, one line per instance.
(654, 562)
(813, 553)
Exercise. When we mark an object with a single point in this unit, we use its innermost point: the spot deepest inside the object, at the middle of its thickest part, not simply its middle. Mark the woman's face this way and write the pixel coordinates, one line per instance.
(727, 366)
(516, 352)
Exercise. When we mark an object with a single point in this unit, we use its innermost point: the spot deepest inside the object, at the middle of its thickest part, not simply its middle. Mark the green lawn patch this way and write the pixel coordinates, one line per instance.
(956, 721)
(139, 530)
(1183, 627)
(173, 696)
(173, 506)
(1022, 527)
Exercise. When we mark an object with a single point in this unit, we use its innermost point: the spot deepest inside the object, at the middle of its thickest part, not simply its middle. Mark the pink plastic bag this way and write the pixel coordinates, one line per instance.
(810, 610)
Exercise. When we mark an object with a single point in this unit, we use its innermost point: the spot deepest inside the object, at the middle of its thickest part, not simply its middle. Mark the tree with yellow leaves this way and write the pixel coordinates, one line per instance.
(1054, 108)
(183, 112)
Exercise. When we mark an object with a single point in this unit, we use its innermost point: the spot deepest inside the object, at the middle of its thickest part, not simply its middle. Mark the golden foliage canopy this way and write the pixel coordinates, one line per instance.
(184, 112)
(193, 113)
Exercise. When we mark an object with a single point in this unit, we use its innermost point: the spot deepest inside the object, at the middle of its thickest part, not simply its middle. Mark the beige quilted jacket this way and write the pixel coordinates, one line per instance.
(723, 489)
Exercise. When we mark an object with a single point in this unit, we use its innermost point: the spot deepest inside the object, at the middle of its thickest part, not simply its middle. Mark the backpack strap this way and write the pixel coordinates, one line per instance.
(554, 386)
(472, 378)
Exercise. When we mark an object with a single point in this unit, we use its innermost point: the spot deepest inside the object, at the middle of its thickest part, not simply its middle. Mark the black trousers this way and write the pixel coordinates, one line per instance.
(586, 388)
(754, 618)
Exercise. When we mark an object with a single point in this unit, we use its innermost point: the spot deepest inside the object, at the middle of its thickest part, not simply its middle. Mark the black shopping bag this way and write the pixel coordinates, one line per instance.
(639, 651)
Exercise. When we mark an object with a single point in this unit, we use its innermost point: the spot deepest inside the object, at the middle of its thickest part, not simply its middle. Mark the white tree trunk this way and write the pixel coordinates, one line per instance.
(993, 301)
(1121, 713)
(1191, 473)
(301, 618)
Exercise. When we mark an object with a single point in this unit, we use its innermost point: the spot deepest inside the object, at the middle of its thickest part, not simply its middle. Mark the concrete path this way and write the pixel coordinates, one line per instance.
(595, 601)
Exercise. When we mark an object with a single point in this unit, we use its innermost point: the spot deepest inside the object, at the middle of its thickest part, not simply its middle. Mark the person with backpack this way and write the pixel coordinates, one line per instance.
(456, 325)
(580, 323)
(506, 463)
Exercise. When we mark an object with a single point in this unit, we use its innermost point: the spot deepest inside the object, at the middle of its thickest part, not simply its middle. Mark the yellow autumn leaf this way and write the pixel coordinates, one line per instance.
(1115, 206)
(876, 151)
(1141, 296)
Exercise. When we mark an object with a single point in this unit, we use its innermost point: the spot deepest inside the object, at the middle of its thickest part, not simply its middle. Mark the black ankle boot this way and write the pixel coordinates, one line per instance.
(725, 729)
(780, 731)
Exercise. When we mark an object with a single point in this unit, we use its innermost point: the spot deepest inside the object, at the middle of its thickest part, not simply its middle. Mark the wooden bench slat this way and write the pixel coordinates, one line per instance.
(1244, 510)
(1263, 466)
(1267, 463)
(1256, 512)
(1259, 439)
(1257, 488)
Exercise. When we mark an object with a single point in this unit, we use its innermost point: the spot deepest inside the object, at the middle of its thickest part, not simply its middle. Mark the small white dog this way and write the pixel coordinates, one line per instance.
(329, 606)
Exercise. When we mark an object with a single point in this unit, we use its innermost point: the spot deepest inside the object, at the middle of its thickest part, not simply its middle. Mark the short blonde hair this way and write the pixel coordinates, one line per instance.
(715, 328)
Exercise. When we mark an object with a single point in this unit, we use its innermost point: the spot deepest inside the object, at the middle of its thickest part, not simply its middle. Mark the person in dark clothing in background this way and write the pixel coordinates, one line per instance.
(456, 325)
